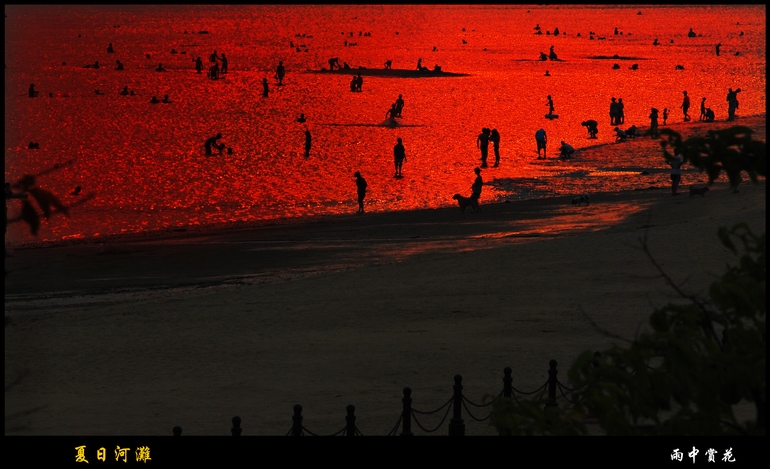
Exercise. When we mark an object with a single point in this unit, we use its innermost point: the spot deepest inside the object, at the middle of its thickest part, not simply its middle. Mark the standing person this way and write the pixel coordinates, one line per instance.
(33, 93)
(399, 105)
(685, 106)
(621, 112)
(482, 143)
(265, 88)
(361, 187)
(280, 72)
(541, 140)
(308, 143)
(477, 183)
(732, 103)
(495, 137)
(399, 156)
(613, 112)
(654, 122)
(224, 64)
(717, 48)
(550, 105)
(665, 116)
(676, 173)
(702, 110)
(359, 82)
(198, 65)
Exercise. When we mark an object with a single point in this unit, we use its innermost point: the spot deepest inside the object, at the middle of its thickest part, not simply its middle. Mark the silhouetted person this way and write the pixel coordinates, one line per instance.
(33, 93)
(541, 140)
(654, 122)
(334, 61)
(399, 156)
(620, 134)
(552, 54)
(124, 91)
(566, 150)
(717, 48)
(214, 72)
(166, 100)
(665, 116)
(632, 132)
(224, 68)
(399, 105)
(118, 66)
(655, 42)
(301, 119)
(621, 112)
(691, 33)
(614, 112)
(109, 49)
(280, 72)
(482, 143)
(477, 185)
(550, 105)
(213, 57)
(732, 103)
(76, 191)
(543, 57)
(676, 173)
(419, 64)
(359, 83)
(685, 106)
(93, 65)
(702, 116)
(391, 113)
(154, 100)
(265, 88)
(547, 74)
(388, 64)
(495, 138)
(308, 143)
(160, 68)
(361, 188)
(198, 65)
(212, 142)
(592, 127)
(709, 115)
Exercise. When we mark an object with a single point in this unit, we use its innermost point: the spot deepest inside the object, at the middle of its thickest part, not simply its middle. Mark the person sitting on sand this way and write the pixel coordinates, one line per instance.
(592, 127)
(543, 57)
(552, 54)
(620, 134)
(119, 65)
(32, 92)
(160, 68)
(566, 150)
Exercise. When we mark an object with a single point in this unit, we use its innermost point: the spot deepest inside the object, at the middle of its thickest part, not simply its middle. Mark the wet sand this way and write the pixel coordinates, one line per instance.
(132, 337)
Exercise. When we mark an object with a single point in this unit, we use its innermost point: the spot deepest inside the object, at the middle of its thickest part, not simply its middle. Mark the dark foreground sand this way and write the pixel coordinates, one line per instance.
(133, 338)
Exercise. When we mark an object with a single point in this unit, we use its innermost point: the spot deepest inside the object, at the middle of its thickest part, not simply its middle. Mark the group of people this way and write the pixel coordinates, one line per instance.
(617, 112)
(357, 83)
(215, 71)
(482, 143)
(395, 108)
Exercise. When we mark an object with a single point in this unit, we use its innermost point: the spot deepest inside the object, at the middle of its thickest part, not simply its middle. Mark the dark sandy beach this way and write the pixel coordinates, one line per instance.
(136, 336)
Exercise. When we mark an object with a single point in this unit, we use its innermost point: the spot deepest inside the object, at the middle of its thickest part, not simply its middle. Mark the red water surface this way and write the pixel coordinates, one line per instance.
(142, 167)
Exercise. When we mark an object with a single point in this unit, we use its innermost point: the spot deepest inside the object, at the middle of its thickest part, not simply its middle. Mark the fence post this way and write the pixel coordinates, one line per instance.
(236, 430)
(296, 427)
(350, 428)
(507, 382)
(406, 413)
(552, 385)
(456, 425)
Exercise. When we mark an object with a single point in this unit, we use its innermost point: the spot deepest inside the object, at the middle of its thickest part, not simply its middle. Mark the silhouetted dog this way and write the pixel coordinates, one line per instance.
(579, 200)
(465, 202)
(701, 191)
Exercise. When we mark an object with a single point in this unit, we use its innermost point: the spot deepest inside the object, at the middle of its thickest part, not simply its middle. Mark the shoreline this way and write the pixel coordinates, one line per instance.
(639, 145)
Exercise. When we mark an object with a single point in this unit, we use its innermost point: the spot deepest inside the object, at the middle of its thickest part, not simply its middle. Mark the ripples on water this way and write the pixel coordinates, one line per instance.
(145, 163)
